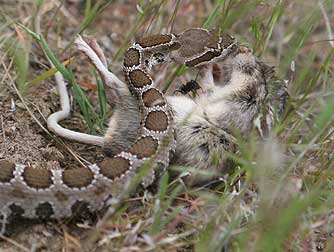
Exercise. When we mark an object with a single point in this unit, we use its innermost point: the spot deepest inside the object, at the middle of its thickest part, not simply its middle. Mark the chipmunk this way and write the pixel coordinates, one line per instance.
(205, 125)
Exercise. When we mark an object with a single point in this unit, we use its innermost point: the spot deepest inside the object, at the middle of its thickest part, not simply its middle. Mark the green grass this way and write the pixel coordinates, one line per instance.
(288, 181)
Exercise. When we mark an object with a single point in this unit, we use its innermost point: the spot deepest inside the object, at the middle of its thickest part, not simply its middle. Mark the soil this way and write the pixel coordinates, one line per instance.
(24, 138)
(24, 135)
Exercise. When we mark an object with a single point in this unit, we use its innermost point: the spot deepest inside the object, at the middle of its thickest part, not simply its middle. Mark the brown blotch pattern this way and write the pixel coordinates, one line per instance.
(18, 193)
(114, 167)
(131, 58)
(144, 147)
(139, 79)
(154, 40)
(156, 121)
(213, 45)
(61, 196)
(153, 97)
(198, 39)
(16, 210)
(79, 177)
(227, 40)
(204, 58)
(6, 171)
(37, 178)
(44, 210)
(80, 208)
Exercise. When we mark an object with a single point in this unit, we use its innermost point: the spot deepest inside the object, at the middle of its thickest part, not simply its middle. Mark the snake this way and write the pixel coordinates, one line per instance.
(55, 193)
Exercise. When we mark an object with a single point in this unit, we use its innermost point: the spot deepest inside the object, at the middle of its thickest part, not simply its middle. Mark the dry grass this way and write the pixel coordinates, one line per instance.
(286, 200)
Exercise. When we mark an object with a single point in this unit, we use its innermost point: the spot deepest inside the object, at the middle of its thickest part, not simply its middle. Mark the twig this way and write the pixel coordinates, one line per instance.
(12, 83)
(3, 135)
(172, 225)
(20, 96)
(68, 15)
(298, 159)
(3, 130)
(14, 243)
(54, 119)
(328, 24)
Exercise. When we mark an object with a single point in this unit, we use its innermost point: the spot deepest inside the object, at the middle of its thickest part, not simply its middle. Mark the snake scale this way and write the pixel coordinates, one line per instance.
(55, 193)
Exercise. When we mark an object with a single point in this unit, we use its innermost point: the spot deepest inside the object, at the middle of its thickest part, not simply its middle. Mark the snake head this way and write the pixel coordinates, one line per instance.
(199, 47)
(226, 41)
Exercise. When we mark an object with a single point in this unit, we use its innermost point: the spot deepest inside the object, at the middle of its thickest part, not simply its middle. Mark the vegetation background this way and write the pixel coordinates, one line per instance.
(286, 199)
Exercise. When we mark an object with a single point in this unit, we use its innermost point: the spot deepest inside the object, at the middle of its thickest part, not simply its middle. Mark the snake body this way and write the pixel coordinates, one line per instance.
(55, 193)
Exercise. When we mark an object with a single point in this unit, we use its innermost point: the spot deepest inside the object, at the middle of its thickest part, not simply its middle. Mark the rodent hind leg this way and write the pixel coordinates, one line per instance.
(117, 87)
(125, 122)
(124, 126)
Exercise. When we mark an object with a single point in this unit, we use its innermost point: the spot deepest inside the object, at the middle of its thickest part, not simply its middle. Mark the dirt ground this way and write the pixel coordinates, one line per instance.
(24, 136)
(26, 140)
